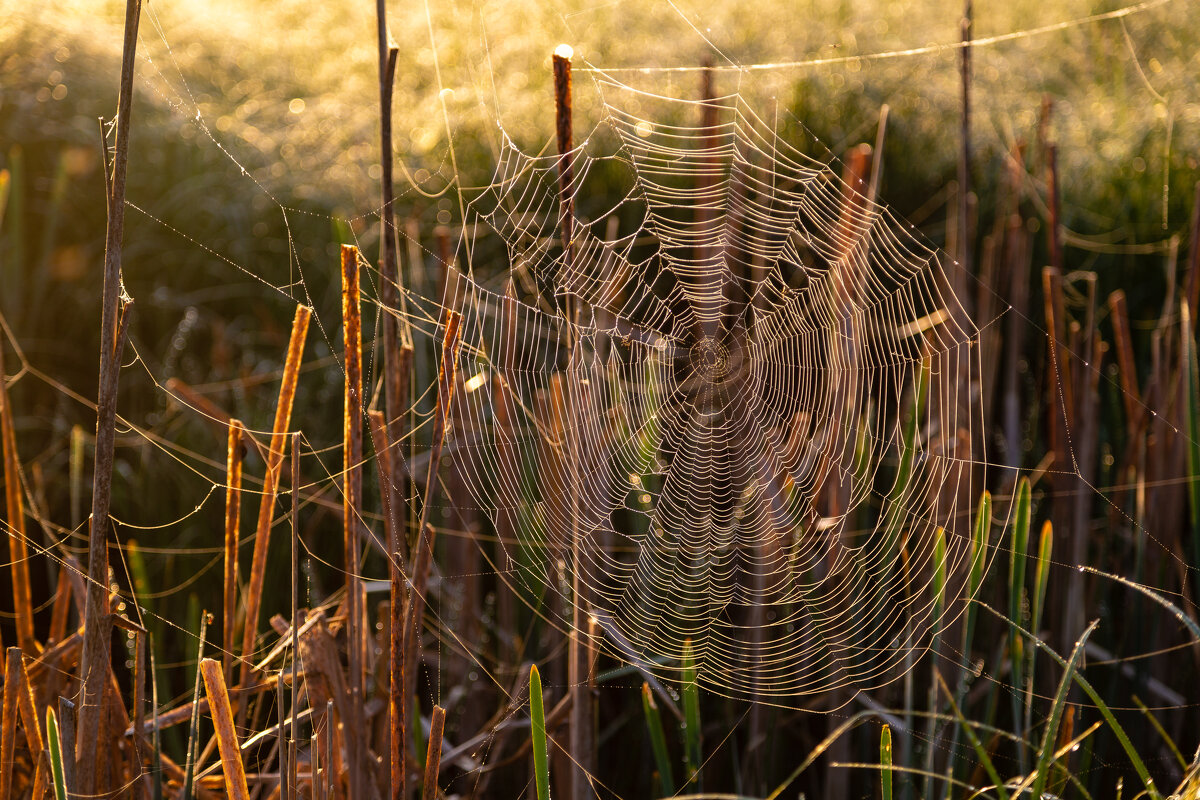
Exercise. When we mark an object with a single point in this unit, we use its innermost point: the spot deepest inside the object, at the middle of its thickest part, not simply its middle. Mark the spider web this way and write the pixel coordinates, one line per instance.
(690, 416)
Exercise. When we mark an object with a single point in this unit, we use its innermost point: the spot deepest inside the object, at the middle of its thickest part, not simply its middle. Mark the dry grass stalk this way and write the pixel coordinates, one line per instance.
(8, 722)
(1085, 436)
(1191, 285)
(262, 533)
(139, 677)
(352, 506)
(411, 644)
(1052, 200)
(1130, 393)
(290, 778)
(397, 345)
(141, 645)
(66, 738)
(199, 402)
(433, 755)
(233, 516)
(31, 722)
(577, 658)
(95, 666)
(183, 713)
(222, 717)
(60, 609)
(964, 154)
(395, 722)
(15, 510)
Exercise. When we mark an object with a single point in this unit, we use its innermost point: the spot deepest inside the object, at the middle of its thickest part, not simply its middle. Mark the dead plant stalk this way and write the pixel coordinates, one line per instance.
(94, 667)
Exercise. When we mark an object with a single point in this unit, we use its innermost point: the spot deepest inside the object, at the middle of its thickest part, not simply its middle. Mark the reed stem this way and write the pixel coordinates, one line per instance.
(94, 666)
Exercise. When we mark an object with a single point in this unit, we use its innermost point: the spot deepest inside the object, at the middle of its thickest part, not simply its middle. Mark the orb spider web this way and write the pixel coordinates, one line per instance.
(741, 431)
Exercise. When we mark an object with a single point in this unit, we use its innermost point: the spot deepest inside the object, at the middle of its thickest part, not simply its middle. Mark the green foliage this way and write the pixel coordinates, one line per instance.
(693, 755)
(537, 719)
(658, 741)
(885, 762)
(56, 755)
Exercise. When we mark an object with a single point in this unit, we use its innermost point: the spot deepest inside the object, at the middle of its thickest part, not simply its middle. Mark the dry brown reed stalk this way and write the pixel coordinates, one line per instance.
(95, 665)
(15, 510)
(423, 558)
(214, 413)
(139, 677)
(60, 608)
(352, 506)
(397, 340)
(433, 755)
(1053, 201)
(183, 713)
(290, 778)
(1017, 256)
(262, 532)
(581, 742)
(964, 253)
(8, 721)
(66, 738)
(395, 726)
(1085, 437)
(31, 722)
(233, 516)
(1123, 339)
(316, 781)
(461, 550)
(281, 737)
(222, 718)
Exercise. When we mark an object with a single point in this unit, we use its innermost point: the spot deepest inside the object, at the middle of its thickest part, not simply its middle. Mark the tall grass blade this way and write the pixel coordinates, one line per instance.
(979, 542)
(1135, 758)
(885, 762)
(1041, 576)
(984, 759)
(1161, 731)
(1050, 733)
(1016, 593)
(537, 721)
(1176, 612)
(56, 756)
(693, 747)
(658, 742)
(1191, 378)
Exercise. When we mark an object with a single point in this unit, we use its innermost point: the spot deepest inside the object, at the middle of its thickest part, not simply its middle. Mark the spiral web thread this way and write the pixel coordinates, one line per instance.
(727, 402)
